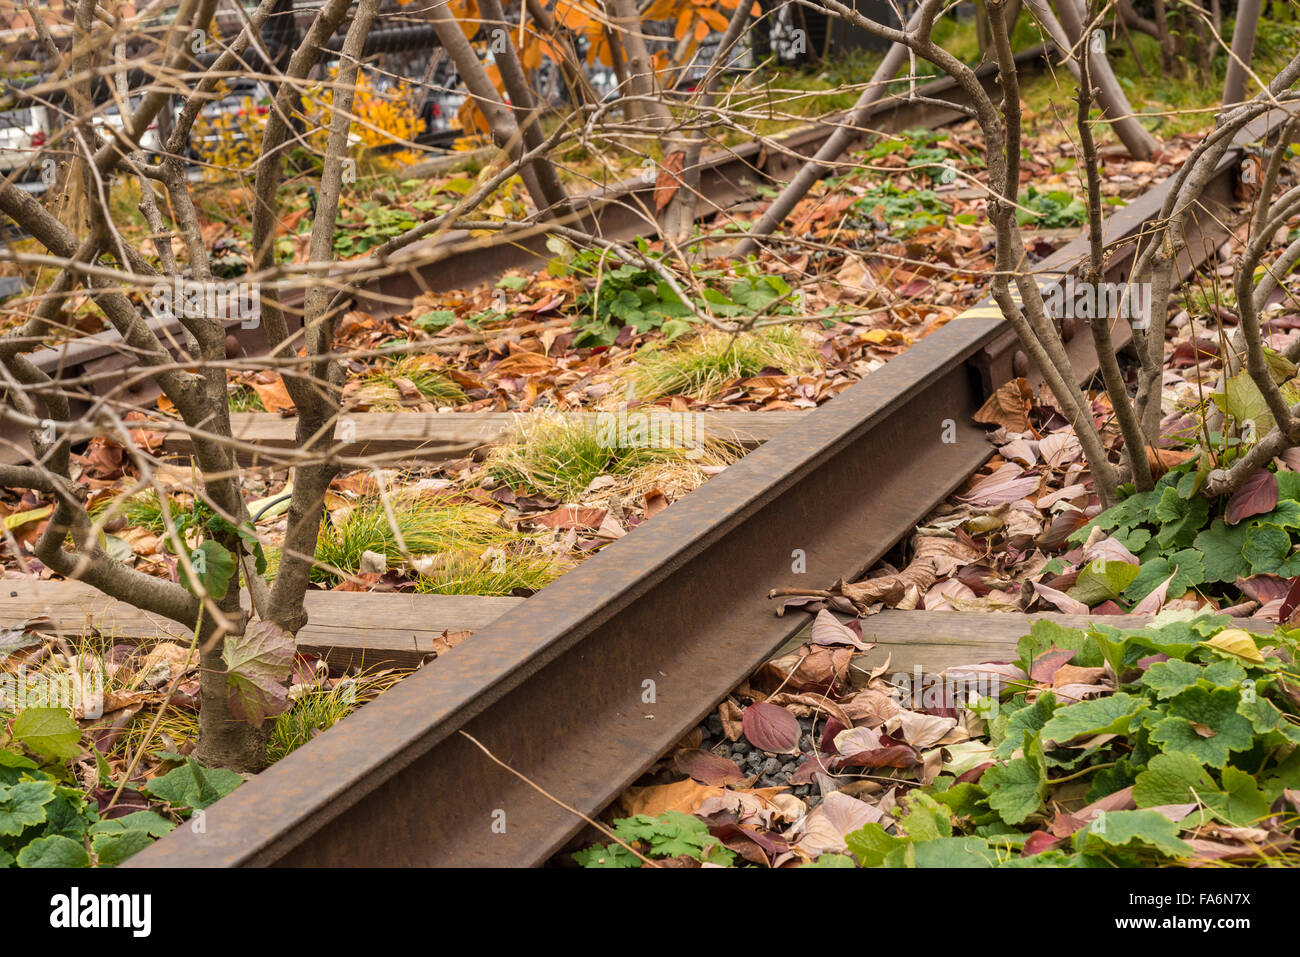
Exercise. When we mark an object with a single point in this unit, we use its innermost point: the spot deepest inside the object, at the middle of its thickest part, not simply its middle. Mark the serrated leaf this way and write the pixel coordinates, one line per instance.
(1168, 678)
(23, 804)
(954, 852)
(112, 849)
(1221, 551)
(1015, 789)
(1109, 715)
(1241, 801)
(1173, 777)
(1266, 549)
(151, 823)
(48, 731)
(1180, 518)
(1213, 709)
(56, 851)
(259, 663)
(192, 785)
(1131, 829)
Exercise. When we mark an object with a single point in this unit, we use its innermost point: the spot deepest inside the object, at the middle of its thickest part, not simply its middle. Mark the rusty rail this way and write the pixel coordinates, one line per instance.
(582, 687)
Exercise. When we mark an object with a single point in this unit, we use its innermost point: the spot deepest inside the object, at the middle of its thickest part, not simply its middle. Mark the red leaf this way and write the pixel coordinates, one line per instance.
(975, 773)
(1290, 602)
(1045, 665)
(707, 767)
(770, 727)
(833, 727)
(1038, 842)
(894, 756)
(1257, 495)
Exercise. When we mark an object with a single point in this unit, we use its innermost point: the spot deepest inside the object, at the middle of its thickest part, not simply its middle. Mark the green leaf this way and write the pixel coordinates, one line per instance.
(259, 663)
(1241, 801)
(1167, 678)
(1274, 726)
(1110, 715)
(1266, 549)
(1016, 789)
(872, 844)
(833, 860)
(150, 822)
(513, 283)
(608, 856)
(23, 804)
(1102, 580)
(54, 851)
(214, 566)
(1131, 829)
(1180, 518)
(1204, 723)
(1043, 634)
(954, 852)
(437, 319)
(112, 849)
(50, 732)
(193, 785)
(1028, 720)
(1187, 565)
(1173, 777)
(1242, 400)
(926, 819)
(1221, 547)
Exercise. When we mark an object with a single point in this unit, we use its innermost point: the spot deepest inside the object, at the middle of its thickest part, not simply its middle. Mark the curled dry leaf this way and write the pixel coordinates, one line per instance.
(948, 554)
(920, 730)
(827, 825)
(893, 589)
(828, 630)
(1071, 606)
(1008, 406)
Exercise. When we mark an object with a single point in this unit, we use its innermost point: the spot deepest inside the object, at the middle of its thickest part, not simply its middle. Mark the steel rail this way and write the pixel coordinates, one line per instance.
(581, 689)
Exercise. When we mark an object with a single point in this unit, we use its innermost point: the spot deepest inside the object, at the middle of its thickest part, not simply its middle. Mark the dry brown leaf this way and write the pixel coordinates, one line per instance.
(1008, 406)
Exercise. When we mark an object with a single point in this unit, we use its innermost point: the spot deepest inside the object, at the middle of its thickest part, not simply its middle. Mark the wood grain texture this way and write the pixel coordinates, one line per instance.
(347, 628)
(431, 436)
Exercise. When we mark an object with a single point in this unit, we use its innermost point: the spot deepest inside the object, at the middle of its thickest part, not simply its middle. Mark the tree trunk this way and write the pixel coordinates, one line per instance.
(1110, 95)
(831, 150)
(1243, 48)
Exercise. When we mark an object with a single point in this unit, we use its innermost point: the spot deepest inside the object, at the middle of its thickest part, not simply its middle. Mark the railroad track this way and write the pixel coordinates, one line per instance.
(556, 685)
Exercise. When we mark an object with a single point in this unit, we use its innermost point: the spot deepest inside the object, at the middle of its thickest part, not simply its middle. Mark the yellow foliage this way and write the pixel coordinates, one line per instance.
(380, 118)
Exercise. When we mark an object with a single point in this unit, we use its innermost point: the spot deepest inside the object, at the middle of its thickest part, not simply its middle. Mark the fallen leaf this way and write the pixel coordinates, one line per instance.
(771, 728)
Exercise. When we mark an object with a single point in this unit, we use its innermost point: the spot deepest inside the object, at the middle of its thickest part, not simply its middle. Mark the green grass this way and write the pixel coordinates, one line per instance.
(319, 709)
(701, 367)
(143, 510)
(429, 526)
(560, 457)
(384, 394)
(504, 573)
(244, 399)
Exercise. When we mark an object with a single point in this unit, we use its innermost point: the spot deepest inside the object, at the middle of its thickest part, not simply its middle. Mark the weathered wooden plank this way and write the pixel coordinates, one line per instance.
(935, 640)
(347, 628)
(431, 436)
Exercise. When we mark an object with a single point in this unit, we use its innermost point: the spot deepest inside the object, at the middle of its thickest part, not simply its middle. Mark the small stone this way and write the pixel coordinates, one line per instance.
(740, 747)
(714, 725)
(806, 743)
(771, 766)
(789, 767)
